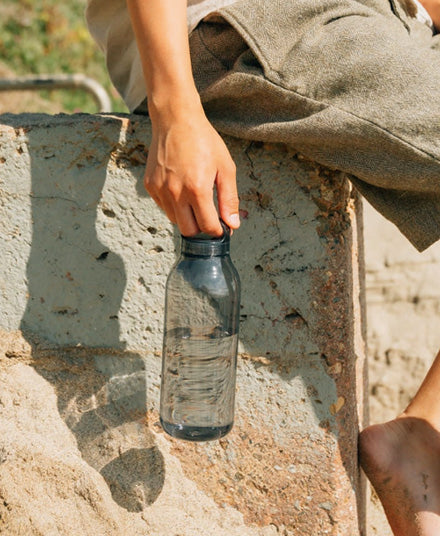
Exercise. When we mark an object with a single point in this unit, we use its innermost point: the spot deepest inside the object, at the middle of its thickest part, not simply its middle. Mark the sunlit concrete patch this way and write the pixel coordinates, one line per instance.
(82, 309)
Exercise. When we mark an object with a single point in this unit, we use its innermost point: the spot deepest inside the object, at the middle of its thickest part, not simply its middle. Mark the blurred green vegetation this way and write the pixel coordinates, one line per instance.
(48, 37)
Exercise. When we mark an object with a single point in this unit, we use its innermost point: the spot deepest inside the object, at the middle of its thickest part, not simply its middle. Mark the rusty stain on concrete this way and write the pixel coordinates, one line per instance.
(266, 482)
(88, 239)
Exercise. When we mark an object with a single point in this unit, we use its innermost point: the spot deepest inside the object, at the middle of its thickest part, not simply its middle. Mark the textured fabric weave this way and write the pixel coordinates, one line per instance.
(351, 84)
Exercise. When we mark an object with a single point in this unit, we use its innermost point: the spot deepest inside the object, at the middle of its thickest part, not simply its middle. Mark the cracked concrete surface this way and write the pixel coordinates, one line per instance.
(86, 253)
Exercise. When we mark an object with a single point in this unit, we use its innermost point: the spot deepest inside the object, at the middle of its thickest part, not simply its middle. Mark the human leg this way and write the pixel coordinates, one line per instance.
(402, 460)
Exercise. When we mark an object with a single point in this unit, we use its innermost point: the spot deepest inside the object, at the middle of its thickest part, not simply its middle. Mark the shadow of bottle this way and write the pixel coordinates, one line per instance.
(75, 285)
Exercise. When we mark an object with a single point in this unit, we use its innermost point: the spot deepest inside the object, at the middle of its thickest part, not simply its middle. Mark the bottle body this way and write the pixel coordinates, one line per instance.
(200, 347)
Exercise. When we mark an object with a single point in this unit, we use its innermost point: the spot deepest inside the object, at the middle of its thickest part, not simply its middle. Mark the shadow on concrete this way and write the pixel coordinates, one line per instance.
(75, 288)
(76, 284)
(102, 398)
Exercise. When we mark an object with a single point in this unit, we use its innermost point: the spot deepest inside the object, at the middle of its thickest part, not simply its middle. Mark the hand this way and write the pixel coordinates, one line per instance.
(187, 159)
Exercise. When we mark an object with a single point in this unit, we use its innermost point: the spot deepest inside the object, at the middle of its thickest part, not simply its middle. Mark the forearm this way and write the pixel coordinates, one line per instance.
(162, 38)
(187, 158)
(433, 8)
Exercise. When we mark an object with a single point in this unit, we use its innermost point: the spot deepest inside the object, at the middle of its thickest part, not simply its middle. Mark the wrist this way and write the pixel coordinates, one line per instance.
(174, 105)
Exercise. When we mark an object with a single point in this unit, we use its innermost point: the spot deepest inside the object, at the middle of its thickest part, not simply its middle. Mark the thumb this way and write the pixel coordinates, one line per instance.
(227, 196)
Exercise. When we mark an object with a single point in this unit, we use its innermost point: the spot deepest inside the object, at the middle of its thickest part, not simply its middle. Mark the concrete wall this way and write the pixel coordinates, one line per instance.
(85, 254)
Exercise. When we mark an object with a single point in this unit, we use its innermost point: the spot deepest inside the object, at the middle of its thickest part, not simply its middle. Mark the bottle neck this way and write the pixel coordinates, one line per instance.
(200, 247)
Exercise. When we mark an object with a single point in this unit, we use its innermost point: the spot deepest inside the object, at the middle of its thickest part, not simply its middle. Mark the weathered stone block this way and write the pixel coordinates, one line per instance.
(85, 257)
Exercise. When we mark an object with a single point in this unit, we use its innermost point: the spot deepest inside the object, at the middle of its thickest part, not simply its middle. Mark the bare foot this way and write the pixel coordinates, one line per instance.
(402, 460)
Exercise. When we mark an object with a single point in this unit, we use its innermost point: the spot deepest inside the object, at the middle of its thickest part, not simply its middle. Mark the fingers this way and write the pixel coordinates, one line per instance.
(161, 201)
(206, 214)
(227, 195)
(183, 167)
(193, 209)
(186, 221)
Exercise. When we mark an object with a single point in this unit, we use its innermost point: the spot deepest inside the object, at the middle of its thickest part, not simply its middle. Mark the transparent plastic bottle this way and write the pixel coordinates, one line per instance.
(200, 341)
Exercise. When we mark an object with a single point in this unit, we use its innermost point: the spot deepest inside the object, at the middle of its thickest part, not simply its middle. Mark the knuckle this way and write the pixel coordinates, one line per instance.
(195, 184)
(210, 228)
(150, 184)
(198, 192)
(232, 168)
(189, 230)
(229, 167)
(147, 182)
(173, 188)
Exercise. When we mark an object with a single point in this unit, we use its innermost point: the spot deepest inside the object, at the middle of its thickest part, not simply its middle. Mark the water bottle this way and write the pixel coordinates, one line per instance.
(200, 340)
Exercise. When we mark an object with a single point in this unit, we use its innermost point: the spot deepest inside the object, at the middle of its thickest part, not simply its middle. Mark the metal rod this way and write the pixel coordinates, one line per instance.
(59, 81)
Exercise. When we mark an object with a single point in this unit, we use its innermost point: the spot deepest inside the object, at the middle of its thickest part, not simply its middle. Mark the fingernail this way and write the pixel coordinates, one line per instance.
(235, 220)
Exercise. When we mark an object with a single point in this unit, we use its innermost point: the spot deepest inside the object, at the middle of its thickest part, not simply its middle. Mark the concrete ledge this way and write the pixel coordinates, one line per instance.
(85, 256)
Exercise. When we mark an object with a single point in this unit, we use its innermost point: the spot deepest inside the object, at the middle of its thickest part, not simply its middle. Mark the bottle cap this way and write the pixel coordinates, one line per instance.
(207, 246)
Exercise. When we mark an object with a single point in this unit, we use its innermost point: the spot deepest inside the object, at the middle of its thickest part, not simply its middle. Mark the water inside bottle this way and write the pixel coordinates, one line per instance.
(198, 385)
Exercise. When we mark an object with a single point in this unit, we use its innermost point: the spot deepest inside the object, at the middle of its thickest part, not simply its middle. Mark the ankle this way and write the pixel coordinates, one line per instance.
(417, 415)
